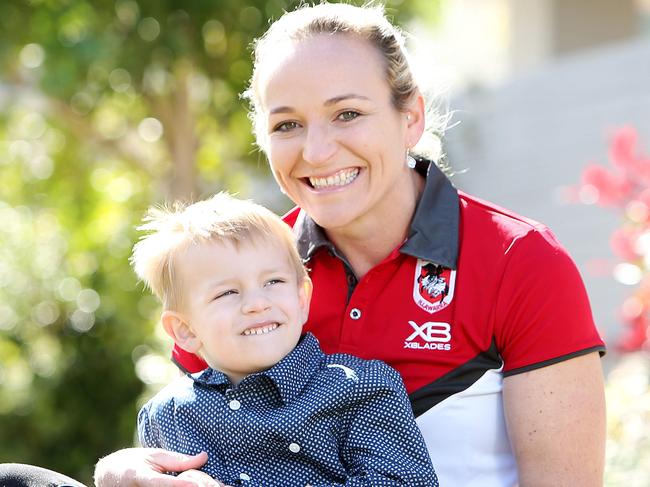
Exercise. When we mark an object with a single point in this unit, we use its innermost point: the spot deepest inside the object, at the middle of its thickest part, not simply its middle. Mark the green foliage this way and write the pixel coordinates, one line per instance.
(105, 108)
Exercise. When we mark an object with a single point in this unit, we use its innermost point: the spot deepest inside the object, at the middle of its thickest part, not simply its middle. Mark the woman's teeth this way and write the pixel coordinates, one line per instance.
(341, 178)
(262, 330)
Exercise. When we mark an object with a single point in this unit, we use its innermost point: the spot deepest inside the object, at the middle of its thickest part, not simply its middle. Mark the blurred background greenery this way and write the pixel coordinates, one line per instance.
(109, 106)
(105, 108)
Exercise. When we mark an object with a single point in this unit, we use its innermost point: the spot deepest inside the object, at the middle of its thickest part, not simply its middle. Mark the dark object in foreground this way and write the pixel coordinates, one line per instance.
(20, 475)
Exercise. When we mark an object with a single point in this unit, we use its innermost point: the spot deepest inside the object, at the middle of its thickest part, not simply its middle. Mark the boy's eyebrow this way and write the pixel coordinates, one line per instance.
(227, 280)
(329, 102)
(274, 270)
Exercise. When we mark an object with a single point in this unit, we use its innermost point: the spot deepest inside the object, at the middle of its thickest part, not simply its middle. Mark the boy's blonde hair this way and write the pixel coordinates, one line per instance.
(221, 218)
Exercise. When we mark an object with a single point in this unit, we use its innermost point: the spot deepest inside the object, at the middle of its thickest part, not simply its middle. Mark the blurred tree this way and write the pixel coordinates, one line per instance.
(106, 107)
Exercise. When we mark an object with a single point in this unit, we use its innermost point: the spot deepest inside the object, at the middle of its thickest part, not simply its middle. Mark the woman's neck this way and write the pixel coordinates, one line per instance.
(370, 239)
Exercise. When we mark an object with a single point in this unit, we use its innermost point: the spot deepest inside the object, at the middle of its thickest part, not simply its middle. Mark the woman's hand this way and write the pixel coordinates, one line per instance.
(201, 479)
(146, 467)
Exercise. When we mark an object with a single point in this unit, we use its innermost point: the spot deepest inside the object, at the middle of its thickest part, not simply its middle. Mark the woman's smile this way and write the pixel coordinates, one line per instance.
(339, 179)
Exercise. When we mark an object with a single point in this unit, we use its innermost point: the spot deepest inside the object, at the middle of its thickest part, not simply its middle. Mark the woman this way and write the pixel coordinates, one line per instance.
(480, 310)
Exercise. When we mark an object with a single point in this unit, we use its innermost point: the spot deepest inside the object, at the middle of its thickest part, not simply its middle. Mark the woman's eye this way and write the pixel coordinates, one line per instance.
(348, 115)
(285, 127)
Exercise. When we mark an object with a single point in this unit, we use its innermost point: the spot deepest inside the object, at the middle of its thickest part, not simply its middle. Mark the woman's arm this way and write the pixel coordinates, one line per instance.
(556, 421)
(146, 467)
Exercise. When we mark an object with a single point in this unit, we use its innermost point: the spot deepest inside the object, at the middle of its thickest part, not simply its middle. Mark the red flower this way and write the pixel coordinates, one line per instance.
(636, 335)
(626, 185)
(612, 188)
(621, 149)
(623, 243)
(624, 155)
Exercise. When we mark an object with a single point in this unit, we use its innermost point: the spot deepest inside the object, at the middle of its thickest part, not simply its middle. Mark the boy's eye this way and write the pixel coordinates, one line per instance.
(225, 293)
(271, 282)
(348, 115)
(285, 127)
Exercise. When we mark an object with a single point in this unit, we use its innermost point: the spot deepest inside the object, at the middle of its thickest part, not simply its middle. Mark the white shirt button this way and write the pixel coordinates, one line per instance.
(355, 313)
(294, 447)
(234, 404)
(244, 476)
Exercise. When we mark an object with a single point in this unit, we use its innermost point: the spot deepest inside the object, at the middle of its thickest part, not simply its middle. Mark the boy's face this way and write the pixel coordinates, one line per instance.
(244, 307)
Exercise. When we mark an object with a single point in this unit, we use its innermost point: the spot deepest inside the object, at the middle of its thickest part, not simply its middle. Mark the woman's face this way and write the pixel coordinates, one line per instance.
(336, 143)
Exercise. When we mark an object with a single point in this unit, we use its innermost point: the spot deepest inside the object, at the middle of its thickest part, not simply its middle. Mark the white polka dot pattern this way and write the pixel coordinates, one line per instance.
(300, 422)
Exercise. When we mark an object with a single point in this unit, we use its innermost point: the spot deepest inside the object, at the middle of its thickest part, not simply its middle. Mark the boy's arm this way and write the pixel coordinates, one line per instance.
(145, 434)
(149, 466)
(383, 445)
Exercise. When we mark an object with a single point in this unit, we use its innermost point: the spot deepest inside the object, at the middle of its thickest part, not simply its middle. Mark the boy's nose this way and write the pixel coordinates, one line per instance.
(254, 302)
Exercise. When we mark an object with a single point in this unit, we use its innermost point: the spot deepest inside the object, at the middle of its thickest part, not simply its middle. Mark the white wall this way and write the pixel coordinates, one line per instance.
(521, 142)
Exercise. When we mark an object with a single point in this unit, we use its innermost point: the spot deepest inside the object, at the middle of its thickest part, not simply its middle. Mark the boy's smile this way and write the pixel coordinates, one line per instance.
(261, 329)
(243, 307)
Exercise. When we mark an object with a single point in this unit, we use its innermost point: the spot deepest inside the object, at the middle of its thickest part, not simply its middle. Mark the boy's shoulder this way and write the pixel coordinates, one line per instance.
(340, 369)
(180, 390)
(358, 370)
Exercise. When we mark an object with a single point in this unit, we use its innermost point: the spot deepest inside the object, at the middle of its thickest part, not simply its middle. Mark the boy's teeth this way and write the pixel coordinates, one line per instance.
(261, 330)
(341, 178)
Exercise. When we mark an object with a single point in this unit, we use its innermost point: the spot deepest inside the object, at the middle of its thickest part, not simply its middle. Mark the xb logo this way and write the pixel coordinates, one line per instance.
(431, 331)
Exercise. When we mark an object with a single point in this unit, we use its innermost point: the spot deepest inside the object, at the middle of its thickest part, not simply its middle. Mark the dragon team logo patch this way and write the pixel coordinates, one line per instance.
(433, 286)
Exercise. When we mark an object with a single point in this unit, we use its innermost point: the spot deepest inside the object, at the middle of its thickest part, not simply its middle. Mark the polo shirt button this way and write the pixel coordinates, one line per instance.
(244, 476)
(294, 447)
(355, 313)
(234, 404)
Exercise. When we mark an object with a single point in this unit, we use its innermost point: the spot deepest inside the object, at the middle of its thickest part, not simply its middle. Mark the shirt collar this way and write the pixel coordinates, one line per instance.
(210, 377)
(292, 373)
(289, 375)
(433, 235)
(310, 237)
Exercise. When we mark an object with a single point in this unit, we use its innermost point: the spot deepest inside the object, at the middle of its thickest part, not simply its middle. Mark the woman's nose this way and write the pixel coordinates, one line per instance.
(319, 145)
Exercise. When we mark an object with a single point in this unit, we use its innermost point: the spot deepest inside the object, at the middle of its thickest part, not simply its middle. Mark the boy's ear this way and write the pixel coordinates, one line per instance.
(304, 296)
(179, 330)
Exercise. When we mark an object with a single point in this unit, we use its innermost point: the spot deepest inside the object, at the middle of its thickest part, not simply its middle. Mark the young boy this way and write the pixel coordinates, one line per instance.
(272, 408)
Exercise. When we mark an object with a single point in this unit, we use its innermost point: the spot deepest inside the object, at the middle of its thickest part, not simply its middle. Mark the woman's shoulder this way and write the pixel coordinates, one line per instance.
(491, 222)
(477, 209)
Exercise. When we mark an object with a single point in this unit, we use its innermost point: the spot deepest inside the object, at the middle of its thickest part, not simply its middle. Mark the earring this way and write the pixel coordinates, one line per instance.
(410, 160)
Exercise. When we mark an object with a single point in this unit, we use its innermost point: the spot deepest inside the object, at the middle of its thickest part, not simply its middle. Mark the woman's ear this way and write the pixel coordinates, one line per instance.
(304, 296)
(415, 120)
(180, 331)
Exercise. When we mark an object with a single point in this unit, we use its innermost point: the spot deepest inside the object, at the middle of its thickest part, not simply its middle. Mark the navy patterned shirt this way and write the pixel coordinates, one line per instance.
(312, 419)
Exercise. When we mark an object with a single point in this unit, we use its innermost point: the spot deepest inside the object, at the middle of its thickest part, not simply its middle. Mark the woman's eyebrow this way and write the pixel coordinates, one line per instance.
(348, 96)
(331, 101)
(281, 110)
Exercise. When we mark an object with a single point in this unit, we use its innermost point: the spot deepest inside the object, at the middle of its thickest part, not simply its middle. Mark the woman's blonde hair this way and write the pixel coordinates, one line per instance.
(368, 23)
(222, 218)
